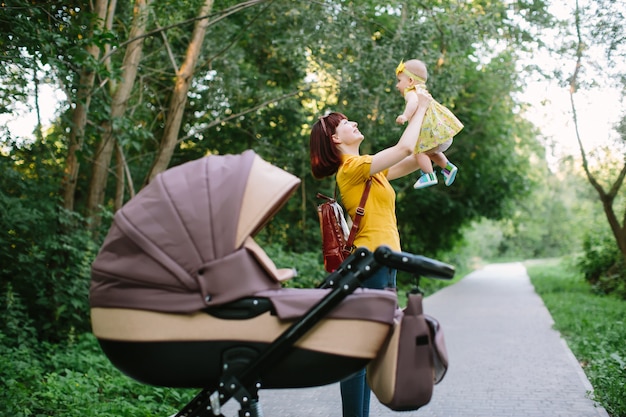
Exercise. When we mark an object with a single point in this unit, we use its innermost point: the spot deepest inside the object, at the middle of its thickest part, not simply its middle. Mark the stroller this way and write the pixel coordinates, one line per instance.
(182, 296)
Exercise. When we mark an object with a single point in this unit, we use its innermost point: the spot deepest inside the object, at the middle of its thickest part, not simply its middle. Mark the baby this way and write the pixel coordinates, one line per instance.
(438, 128)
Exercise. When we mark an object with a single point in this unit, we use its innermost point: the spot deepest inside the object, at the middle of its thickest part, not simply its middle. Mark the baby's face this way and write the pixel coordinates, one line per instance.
(403, 82)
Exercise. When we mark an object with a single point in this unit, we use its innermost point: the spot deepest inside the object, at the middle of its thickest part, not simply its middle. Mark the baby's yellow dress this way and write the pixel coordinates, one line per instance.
(439, 125)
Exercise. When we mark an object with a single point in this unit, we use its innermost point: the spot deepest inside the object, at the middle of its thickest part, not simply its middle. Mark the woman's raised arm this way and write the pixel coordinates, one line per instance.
(387, 158)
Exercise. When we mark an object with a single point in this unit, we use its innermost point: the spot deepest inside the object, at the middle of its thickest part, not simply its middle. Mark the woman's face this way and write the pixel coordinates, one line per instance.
(347, 132)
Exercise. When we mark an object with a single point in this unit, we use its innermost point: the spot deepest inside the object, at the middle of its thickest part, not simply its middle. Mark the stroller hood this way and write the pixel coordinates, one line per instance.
(184, 242)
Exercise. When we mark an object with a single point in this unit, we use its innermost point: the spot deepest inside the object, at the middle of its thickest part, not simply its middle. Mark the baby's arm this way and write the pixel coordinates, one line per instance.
(409, 109)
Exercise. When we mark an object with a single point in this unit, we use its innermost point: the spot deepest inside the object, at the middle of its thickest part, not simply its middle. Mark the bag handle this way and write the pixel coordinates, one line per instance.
(325, 197)
(360, 212)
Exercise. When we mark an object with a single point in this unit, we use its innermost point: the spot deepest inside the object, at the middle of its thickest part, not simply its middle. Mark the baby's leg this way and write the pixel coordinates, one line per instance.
(436, 154)
(428, 176)
(423, 161)
(439, 158)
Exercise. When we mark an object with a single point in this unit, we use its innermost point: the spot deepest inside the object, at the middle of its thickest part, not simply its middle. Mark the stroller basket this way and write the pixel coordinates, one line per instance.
(182, 296)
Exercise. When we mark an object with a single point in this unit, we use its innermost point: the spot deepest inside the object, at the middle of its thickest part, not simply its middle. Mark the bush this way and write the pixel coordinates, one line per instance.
(602, 264)
(75, 379)
(46, 263)
(308, 265)
(46, 250)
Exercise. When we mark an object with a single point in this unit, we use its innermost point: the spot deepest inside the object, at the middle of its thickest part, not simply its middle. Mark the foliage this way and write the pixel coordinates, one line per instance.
(37, 41)
(478, 93)
(593, 326)
(265, 73)
(602, 264)
(47, 251)
(308, 265)
(551, 222)
(74, 378)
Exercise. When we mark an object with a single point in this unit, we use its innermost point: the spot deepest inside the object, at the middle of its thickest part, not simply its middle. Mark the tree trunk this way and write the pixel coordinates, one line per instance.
(79, 116)
(120, 169)
(179, 95)
(119, 102)
(619, 232)
(607, 198)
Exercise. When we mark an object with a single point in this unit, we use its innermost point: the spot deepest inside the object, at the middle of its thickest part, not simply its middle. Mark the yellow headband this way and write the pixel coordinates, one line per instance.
(401, 68)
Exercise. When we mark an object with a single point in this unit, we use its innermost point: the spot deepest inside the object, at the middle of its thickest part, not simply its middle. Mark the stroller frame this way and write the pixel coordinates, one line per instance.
(243, 384)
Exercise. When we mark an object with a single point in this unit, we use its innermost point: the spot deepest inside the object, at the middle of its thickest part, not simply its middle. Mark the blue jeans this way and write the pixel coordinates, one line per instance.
(384, 278)
(355, 393)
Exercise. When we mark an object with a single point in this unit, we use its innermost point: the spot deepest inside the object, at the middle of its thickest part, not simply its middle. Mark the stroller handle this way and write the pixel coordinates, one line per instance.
(415, 264)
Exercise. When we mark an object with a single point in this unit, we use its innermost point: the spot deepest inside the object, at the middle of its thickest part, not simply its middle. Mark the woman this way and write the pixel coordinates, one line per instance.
(334, 150)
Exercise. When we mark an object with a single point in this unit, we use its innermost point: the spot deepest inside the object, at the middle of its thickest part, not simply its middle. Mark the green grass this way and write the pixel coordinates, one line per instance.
(593, 326)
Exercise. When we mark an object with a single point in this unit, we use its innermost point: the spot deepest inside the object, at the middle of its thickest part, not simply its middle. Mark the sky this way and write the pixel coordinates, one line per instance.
(551, 111)
(597, 110)
(23, 121)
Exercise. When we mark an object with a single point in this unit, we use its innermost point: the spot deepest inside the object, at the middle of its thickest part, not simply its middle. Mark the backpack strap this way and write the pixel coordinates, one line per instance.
(360, 212)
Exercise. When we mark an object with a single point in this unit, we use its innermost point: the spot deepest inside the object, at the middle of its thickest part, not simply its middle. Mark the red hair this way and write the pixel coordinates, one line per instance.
(325, 157)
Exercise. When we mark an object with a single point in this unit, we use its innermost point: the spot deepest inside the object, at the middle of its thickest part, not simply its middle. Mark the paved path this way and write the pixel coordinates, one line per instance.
(505, 359)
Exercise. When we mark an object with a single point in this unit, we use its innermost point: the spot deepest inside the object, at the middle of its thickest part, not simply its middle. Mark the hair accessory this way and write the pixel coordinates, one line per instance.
(321, 119)
(400, 68)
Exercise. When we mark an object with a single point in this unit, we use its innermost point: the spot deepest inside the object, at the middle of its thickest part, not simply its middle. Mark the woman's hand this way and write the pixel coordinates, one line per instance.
(424, 97)
(397, 158)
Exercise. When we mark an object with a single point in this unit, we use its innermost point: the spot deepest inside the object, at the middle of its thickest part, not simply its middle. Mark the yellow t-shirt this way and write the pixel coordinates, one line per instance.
(379, 225)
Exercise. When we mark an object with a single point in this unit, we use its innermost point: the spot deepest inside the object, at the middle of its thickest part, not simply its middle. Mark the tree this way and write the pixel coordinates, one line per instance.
(456, 40)
(81, 104)
(256, 74)
(184, 76)
(255, 77)
(599, 25)
(120, 93)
